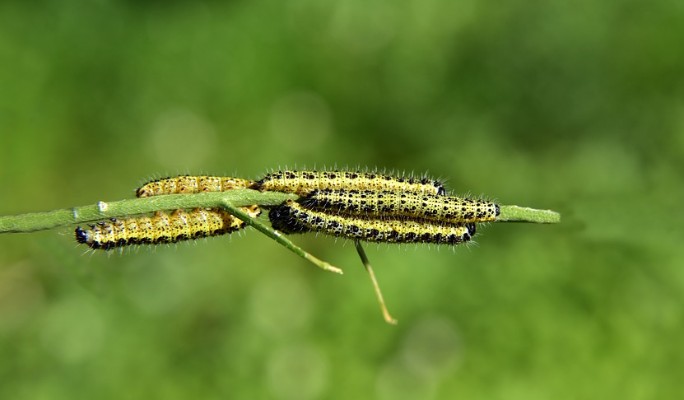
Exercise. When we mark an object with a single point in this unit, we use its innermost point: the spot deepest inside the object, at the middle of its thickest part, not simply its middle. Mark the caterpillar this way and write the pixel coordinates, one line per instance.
(402, 205)
(292, 217)
(304, 182)
(162, 227)
(189, 184)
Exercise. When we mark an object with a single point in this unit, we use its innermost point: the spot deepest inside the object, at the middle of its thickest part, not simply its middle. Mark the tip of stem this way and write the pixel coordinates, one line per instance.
(331, 268)
(526, 214)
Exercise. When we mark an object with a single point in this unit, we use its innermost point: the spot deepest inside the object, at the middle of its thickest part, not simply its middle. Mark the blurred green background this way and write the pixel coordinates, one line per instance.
(573, 106)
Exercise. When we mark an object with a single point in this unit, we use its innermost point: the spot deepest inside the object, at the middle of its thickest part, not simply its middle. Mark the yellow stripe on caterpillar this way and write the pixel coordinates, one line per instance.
(189, 184)
(292, 217)
(401, 205)
(303, 182)
(162, 227)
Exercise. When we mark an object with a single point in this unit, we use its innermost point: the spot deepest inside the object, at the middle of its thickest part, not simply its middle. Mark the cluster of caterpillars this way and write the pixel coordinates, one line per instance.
(358, 205)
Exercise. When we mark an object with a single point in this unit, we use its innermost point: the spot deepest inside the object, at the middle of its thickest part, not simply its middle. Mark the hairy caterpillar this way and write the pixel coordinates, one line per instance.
(303, 182)
(292, 217)
(401, 205)
(162, 227)
(189, 184)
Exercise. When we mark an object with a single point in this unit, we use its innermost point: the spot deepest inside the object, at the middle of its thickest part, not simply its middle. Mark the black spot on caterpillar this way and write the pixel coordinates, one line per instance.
(292, 217)
(401, 205)
(161, 227)
(303, 182)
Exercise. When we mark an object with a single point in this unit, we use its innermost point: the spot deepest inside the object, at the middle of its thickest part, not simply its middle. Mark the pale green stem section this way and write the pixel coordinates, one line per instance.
(525, 214)
(278, 237)
(123, 208)
(376, 287)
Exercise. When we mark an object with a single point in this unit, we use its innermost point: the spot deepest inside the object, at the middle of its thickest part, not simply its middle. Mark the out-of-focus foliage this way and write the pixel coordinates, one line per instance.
(575, 106)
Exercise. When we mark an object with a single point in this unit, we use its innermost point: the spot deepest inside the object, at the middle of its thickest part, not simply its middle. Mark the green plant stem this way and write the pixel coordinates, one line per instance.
(230, 200)
(376, 287)
(526, 214)
(240, 197)
(116, 209)
(278, 237)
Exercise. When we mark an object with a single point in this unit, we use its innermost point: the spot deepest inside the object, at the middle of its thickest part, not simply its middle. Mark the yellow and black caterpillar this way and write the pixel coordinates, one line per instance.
(401, 205)
(170, 227)
(292, 217)
(189, 184)
(361, 205)
(162, 227)
(304, 182)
